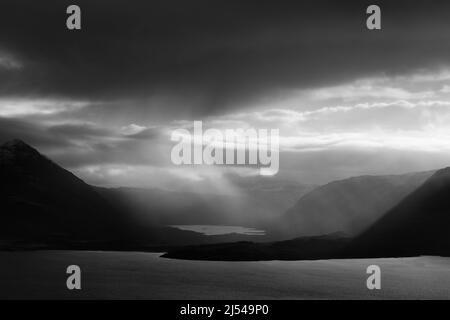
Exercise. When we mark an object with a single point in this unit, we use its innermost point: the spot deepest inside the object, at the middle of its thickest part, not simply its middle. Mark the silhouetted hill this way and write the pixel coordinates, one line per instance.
(418, 225)
(349, 205)
(304, 248)
(40, 199)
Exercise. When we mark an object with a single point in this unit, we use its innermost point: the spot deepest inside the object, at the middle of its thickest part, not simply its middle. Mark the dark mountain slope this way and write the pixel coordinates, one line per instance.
(41, 199)
(418, 225)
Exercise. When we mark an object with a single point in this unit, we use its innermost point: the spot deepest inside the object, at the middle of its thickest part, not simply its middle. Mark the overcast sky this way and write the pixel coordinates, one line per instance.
(103, 101)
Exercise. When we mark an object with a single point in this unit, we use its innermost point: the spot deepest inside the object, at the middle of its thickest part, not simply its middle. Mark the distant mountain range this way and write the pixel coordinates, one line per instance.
(349, 205)
(418, 225)
(46, 206)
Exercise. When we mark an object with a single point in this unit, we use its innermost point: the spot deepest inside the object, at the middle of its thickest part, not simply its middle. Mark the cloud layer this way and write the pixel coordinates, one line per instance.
(103, 101)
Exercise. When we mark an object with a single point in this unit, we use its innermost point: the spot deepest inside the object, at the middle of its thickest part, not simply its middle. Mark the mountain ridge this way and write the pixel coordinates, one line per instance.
(349, 205)
(44, 198)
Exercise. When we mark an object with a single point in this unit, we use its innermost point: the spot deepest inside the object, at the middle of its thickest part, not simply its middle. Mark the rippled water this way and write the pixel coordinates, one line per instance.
(134, 275)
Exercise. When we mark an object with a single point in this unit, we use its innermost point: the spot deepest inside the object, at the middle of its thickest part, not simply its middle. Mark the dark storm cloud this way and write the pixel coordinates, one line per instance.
(218, 53)
(79, 131)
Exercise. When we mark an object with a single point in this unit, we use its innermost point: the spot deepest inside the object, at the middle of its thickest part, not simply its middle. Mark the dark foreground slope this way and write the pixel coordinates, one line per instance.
(418, 225)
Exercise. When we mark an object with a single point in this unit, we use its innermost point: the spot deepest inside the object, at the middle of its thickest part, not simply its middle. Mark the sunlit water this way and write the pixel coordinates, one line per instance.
(132, 275)
(211, 230)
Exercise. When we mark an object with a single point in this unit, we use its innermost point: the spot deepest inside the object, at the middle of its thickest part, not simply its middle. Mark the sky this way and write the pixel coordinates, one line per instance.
(102, 101)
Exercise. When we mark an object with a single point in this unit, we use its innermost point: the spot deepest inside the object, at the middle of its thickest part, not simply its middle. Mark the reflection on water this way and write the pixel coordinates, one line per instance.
(212, 230)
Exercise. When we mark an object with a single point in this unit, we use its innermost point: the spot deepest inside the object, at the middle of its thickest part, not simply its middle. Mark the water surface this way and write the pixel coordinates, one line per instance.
(134, 275)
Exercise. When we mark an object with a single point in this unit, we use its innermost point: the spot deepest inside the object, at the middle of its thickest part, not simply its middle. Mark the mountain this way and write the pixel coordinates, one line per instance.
(349, 205)
(418, 225)
(41, 200)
